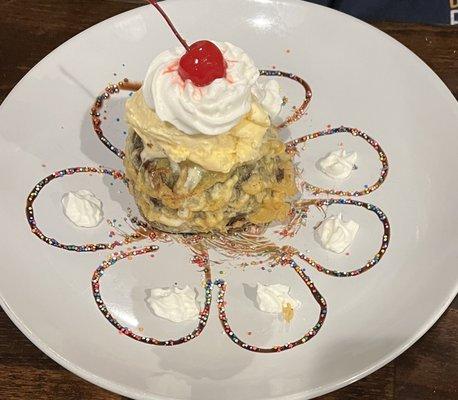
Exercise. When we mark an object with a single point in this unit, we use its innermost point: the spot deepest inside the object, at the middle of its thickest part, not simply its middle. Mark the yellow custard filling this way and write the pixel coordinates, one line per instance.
(219, 153)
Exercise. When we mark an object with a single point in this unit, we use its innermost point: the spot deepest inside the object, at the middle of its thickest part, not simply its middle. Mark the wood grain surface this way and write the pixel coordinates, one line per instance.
(29, 30)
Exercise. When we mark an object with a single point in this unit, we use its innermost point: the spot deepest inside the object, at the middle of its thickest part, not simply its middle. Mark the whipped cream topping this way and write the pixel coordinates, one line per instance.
(267, 93)
(211, 109)
(273, 298)
(82, 208)
(338, 164)
(335, 234)
(174, 303)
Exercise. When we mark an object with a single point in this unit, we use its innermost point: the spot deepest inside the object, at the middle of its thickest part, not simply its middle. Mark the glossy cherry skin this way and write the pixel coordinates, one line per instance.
(202, 63)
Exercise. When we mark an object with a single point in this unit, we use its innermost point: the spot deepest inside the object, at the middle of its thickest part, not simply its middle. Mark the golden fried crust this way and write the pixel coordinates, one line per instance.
(186, 198)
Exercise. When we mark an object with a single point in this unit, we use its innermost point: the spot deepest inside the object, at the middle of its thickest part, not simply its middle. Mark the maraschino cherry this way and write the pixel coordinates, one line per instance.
(203, 61)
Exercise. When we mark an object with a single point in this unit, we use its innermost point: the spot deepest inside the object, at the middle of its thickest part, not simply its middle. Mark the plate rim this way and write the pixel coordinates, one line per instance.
(308, 394)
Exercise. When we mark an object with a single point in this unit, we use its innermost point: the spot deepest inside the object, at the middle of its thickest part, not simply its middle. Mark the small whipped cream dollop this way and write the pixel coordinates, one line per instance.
(174, 304)
(338, 164)
(274, 298)
(335, 234)
(82, 208)
(211, 109)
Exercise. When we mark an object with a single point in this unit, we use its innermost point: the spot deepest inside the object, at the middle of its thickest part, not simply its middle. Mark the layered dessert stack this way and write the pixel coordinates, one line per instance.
(202, 152)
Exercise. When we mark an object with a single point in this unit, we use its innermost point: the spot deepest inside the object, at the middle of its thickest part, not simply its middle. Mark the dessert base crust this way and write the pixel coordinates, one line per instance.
(185, 198)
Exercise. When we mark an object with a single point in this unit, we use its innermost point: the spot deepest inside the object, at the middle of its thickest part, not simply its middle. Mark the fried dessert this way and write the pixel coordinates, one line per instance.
(206, 156)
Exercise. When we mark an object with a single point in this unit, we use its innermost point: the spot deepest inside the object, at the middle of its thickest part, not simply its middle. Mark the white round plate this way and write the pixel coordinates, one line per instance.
(360, 77)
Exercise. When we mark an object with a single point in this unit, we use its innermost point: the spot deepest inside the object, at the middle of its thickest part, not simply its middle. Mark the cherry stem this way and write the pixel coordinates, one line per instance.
(167, 19)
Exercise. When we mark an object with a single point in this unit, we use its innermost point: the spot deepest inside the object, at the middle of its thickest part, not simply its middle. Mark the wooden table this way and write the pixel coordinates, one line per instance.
(29, 30)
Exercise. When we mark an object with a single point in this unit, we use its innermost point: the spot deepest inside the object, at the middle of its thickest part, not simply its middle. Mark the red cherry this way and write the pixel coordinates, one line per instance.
(202, 63)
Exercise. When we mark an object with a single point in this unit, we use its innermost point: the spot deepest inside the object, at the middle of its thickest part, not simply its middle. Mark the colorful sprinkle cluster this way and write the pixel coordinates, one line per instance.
(95, 112)
(292, 148)
(276, 349)
(96, 291)
(372, 262)
(298, 111)
(204, 314)
(89, 247)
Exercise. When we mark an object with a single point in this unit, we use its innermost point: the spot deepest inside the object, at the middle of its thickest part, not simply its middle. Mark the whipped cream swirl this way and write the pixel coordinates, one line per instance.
(212, 109)
(273, 298)
(82, 208)
(174, 303)
(338, 164)
(335, 234)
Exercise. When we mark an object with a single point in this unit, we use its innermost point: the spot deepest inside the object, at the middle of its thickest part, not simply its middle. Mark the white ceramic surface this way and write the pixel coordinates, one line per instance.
(360, 77)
